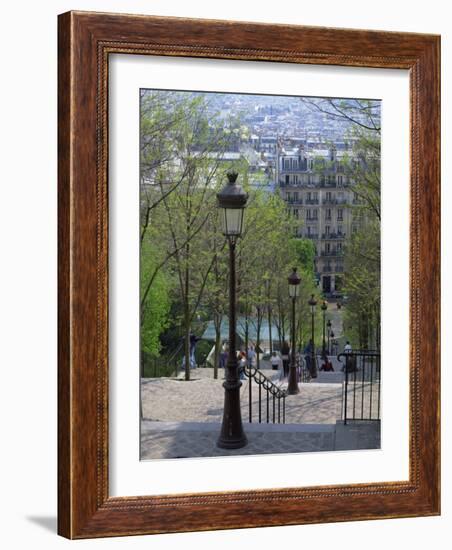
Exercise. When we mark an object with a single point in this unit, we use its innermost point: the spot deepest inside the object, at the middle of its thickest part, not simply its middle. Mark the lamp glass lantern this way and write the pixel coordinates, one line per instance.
(294, 281)
(232, 202)
(312, 302)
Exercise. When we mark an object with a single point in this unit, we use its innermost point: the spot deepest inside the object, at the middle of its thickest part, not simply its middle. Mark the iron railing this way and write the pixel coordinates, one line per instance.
(275, 397)
(361, 389)
(158, 367)
(332, 236)
(333, 252)
(303, 373)
(164, 366)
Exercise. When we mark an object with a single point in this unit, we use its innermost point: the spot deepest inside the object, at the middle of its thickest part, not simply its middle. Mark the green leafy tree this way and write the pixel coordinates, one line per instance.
(155, 309)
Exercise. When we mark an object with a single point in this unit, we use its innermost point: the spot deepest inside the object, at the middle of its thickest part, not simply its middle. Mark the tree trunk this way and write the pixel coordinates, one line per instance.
(270, 338)
(258, 337)
(187, 347)
(187, 313)
(216, 354)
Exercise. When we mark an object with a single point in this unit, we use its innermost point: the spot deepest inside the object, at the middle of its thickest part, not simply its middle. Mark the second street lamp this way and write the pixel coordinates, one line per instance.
(294, 289)
(324, 307)
(312, 303)
(232, 202)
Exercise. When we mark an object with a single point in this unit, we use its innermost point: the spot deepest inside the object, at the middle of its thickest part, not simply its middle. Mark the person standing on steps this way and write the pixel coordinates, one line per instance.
(285, 350)
(251, 356)
(275, 361)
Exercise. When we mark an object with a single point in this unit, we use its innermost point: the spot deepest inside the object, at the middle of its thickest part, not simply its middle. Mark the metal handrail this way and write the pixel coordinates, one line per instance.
(277, 394)
(363, 381)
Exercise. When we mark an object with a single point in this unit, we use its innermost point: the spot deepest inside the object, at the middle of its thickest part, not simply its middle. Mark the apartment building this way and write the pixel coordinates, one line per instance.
(318, 194)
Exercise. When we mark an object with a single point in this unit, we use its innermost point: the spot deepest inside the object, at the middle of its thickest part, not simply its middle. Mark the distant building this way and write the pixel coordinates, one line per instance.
(318, 194)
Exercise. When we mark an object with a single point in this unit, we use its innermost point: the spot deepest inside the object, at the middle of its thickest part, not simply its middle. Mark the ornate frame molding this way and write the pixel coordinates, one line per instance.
(85, 42)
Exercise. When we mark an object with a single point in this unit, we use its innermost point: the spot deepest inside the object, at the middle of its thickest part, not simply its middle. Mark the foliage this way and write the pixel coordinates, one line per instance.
(155, 309)
(190, 160)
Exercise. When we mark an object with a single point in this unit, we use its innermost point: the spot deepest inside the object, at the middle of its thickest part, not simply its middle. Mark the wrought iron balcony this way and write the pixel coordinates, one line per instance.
(333, 236)
(295, 201)
(331, 253)
(312, 201)
(334, 200)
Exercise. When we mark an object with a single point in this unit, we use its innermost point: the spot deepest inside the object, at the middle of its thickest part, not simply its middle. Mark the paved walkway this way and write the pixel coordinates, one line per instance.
(202, 398)
(190, 439)
(161, 440)
(183, 419)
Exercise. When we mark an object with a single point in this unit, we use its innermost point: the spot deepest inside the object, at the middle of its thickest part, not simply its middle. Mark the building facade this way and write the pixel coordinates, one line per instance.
(317, 192)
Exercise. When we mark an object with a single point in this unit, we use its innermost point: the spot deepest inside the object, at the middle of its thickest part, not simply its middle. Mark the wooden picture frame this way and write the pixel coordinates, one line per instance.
(86, 40)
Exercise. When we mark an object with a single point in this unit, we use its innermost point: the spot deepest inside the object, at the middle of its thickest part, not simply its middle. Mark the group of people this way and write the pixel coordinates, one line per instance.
(282, 359)
(276, 360)
(245, 357)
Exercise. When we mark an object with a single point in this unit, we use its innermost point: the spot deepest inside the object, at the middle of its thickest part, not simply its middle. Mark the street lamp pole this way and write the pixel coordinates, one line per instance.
(232, 201)
(312, 302)
(329, 334)
(294, 287)
(324, 307)
(269, 315)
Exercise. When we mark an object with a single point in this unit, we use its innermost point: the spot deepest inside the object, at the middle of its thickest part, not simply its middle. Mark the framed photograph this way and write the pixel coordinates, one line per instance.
(248, 275)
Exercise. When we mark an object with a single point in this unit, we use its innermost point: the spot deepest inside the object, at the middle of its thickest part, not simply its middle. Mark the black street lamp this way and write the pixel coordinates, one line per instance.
(312, 303)
(232, 201)
(294, 289)
(329, 334)
(324, 307)
(269, 315)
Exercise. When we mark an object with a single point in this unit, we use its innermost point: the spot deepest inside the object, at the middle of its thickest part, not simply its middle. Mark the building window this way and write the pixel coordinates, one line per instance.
(295, 196)
(308, 214)
(295, 213)
(328, 214)
(339, 214)
(314, 212)
(339, 180)
(339, 229)
(327, 229)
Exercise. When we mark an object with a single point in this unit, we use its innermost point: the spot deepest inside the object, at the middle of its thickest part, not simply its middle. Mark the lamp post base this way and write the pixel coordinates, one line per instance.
(232, 443)
(232, 435)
